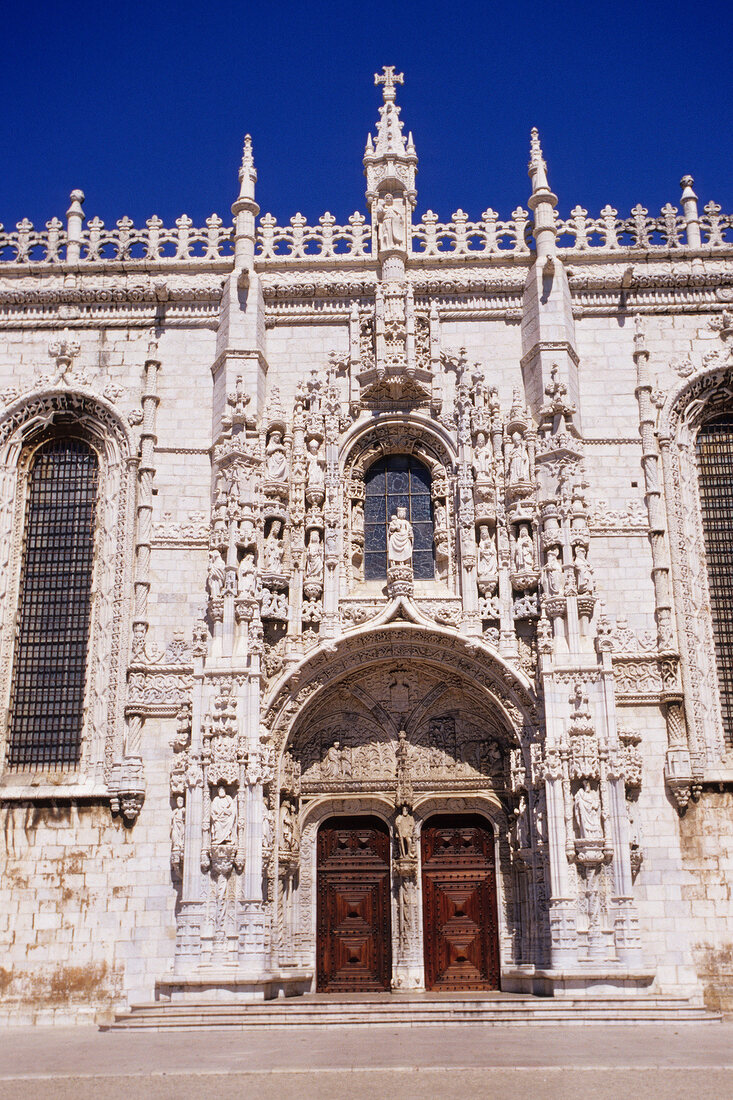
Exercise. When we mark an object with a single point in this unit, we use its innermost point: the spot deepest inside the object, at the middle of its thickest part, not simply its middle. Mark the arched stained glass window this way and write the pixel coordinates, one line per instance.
(715, 474)
(52, 633)
(398, 481)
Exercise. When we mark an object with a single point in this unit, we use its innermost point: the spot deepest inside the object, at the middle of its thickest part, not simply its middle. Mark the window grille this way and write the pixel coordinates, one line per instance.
(398, 481)
(49, 671)
(715, 472)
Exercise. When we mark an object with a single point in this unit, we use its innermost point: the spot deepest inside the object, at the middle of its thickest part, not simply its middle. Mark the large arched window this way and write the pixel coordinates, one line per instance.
(715, 473)
(398, 481)
(54, 609)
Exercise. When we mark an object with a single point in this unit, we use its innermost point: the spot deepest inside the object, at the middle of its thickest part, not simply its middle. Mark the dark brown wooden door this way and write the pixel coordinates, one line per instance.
(459, 904)
(353, 908)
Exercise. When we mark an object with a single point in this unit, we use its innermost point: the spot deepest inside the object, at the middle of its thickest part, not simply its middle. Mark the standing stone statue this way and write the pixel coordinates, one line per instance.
(587, 812)
(583, 573)
(524, 552)
(518, 460)
(247, 575)
(223, 818)
(178, 826)
(553, 573)
(487, 572)
(274, 548)
(400, 539)
(405, 827)
(316, 468)
(275, 458)
(391, 225)
(217, 574)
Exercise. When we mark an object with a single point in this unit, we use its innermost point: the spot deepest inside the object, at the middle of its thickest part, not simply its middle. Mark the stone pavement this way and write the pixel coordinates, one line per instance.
(418, 1063)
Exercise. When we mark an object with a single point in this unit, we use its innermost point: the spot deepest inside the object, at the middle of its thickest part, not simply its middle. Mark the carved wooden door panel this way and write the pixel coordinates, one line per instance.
(353, 906)
(459, 904)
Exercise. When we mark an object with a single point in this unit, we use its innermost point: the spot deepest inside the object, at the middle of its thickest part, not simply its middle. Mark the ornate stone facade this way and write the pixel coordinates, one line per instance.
(518, 629)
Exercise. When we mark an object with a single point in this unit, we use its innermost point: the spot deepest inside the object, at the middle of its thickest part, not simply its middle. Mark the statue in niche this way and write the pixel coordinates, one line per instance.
(314, 559)
(553, 573)
(223, 816)
(288, 826)
(407, 911)
(400, 539)
(521, 821)
(357, 519)
(518, 460)
(482, 466)
(316, 468)
(247, 575)
(405, 829)
(487, 572)
(440, 516)
(178, 826)
(247, 533)
(217, 574)
(314, 392)
(276, 463)
(587, 812)
(391, 228)
(583, 572)
(524, 552)
(274, 548)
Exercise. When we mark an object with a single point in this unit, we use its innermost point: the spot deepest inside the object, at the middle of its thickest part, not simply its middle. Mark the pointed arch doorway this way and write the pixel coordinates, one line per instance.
(460, 917)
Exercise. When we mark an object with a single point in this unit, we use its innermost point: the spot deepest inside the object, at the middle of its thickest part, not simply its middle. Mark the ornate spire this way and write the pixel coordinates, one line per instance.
(245, 209)
(537, 165)
(390, 163)
(248, 172)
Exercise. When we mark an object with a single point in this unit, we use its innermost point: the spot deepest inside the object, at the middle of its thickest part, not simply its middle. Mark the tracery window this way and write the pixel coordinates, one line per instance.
(398, 481)
(715, 474)
(54, 608)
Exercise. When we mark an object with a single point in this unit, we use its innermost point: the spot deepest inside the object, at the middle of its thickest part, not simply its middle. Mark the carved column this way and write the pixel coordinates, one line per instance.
(678, 765)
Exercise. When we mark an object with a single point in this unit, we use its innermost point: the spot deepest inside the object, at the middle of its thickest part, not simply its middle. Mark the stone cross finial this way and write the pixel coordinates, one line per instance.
(389, 78)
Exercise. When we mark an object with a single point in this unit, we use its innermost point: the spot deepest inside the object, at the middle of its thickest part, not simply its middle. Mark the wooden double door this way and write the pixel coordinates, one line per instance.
(353, 917)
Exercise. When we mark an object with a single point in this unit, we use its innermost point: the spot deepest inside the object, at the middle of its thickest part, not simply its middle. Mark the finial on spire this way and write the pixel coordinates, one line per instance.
(388, 77)
(247, 157)
(537, 165)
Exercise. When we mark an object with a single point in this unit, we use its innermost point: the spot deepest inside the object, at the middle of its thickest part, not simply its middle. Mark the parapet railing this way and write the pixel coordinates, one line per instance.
(490, 236)
(124, 242)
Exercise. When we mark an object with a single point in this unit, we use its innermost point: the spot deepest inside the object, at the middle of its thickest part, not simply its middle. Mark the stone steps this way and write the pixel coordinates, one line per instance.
(406, 1011)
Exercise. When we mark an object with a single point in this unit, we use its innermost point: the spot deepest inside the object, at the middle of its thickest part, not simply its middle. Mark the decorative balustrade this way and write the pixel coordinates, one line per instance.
(460, 236)
(123, 243)
(668, 232)
(298, 241)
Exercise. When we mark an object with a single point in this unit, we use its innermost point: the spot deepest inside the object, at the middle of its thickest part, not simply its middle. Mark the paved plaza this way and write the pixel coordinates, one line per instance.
(585, 1062)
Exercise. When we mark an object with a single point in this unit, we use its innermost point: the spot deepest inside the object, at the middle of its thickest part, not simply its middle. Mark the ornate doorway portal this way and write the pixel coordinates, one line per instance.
(460, 920)
(353, 906)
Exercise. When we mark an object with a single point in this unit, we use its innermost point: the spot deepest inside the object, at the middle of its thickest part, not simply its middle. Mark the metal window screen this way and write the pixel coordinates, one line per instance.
(715, 471)
(49, 672)
(398, 481)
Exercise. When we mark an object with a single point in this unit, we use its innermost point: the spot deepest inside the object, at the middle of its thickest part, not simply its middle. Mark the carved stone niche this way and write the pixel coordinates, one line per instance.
(524, 571)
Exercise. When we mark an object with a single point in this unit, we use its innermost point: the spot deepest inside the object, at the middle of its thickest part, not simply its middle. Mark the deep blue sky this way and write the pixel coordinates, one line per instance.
(144, 105)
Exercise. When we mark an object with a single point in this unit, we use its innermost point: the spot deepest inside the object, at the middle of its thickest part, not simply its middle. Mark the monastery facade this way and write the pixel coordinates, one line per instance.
(365, 601)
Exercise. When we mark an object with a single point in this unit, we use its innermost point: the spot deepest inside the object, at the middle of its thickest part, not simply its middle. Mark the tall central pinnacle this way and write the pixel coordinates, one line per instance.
(390, 162)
